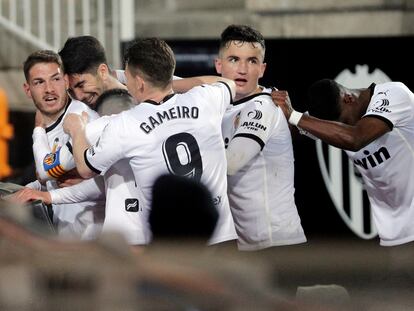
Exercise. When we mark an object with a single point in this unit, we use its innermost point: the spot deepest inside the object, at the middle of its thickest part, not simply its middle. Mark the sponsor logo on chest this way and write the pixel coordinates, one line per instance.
(374, 159)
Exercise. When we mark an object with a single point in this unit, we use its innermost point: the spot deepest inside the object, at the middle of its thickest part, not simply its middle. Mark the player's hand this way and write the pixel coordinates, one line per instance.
(27, 195)
(39, 119)
(282, 99)
(69, 179)
(74, 122)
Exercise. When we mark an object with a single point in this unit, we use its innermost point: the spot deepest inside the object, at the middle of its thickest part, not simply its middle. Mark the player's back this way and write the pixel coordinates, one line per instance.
(124, 210)
(181, 136)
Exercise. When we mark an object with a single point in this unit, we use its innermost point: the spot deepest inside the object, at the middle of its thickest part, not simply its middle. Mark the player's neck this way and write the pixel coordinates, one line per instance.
(113, 83)
(157, 95)
(49, 119)
(257, 90)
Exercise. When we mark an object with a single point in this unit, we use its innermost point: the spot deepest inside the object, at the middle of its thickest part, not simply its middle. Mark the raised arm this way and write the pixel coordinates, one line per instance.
(348, 137)
(74, 125)
(186, 84)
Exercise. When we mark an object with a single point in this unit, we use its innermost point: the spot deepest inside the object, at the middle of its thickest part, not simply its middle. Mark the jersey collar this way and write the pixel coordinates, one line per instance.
(153, 102)
(51, 127)
(245, 99)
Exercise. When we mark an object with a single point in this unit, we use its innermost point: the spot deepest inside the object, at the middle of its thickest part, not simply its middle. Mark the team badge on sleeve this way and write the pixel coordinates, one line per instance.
(52, 165)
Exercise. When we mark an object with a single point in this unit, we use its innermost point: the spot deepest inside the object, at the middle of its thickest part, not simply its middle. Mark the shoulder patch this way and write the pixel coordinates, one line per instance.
(52, 166)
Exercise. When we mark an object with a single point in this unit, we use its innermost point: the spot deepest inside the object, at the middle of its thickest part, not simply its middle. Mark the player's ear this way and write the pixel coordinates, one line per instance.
(218, 64)
(348, 98)
(66, 79)
(103, 71)
(262, 69)
(26, 89)
(139, 83)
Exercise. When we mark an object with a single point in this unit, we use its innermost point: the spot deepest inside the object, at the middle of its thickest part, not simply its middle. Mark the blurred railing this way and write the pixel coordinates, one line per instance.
(46, 24)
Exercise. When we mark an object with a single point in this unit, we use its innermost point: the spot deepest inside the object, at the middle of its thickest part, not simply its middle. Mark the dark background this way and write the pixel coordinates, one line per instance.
(292, 64)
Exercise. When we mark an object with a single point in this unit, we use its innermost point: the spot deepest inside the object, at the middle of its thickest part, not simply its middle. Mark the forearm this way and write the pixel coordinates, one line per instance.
(90, 189)
(334, 133)
(186, 84)
(80, 145)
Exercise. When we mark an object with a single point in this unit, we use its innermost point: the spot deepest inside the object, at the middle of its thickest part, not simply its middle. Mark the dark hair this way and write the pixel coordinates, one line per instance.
(114, 101)
(324, 96)
(82, 54)
(181, 207)
(242, 33)
(42, 56)
(153, 58)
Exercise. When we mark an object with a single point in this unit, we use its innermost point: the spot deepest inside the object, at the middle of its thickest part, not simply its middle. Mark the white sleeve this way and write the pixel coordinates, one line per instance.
(35, 185)
(94, 129)
(102, 155)
(50, 165)
(392, 104)
(239, 152)
(258, 119)
(90, 189)
(218, 95)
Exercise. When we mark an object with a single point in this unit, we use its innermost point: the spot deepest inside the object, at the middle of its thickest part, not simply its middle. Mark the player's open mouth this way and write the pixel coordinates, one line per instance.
(50, 99)
(90, 100)
(240, 82)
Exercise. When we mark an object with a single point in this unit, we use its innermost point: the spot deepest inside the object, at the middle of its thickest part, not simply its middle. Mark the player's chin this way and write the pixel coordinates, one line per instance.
(53, 105)
(242, 91)
(91, 101)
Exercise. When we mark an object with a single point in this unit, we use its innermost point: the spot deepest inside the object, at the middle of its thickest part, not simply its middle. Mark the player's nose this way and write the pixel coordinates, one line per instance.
(242, 68)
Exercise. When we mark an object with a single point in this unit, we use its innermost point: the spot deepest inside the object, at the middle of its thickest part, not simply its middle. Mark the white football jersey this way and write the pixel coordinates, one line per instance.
(261, 193)
(387, 164)
(124, 208)
(81, 220)
(181, 136)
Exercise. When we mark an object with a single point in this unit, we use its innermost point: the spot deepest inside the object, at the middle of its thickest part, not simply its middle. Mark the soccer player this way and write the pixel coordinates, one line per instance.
(87, 68)
(166, 133)
(123, 208)
(259, 148)
(46, 85)
(375, 127)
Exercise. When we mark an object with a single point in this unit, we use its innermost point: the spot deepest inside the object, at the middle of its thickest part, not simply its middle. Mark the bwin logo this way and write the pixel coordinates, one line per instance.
(132, 205)
(255, 114)
(374, 159)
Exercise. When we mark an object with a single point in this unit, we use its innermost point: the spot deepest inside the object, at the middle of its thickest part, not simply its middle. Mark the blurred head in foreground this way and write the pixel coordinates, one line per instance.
(181, 209)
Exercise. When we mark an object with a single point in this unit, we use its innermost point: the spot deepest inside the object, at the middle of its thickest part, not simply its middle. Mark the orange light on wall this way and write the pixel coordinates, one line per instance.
(6, 133)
